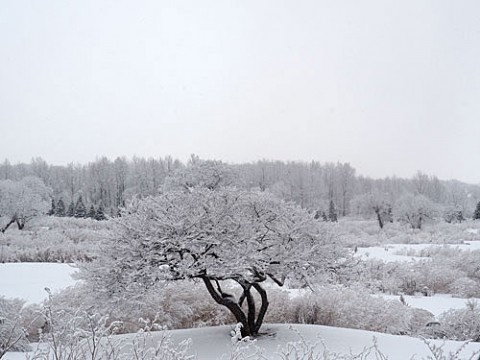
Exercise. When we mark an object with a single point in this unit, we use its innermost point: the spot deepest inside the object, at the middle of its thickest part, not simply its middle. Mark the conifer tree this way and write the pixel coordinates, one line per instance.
(71, 210)
(91, 213)
(476, 213)
(52, 208)
(332, 212)
(80, 209)
(100, 214)
(60, 208)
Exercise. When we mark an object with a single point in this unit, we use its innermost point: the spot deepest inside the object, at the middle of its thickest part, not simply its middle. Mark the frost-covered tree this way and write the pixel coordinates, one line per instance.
(21, 201)
(100, 214)
(80, 209)
(214, 235)
(52, 208)
(60, 208)
(71, 210)
(91, 213)
(374, 203)
(415, 210)
(210, 174)
(476, 213)
(332, 212)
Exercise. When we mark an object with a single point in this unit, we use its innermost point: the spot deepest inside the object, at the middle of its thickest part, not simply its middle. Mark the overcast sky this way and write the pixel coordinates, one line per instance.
(390, 86)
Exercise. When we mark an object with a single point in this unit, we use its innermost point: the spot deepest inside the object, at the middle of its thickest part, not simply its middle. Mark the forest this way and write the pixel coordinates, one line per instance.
(323, 187)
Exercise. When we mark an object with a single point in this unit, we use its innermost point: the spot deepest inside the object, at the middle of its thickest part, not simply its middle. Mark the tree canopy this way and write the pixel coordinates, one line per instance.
(215, 235)
(22, 200)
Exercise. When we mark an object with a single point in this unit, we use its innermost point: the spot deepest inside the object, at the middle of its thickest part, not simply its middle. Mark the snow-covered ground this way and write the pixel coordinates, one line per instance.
(211, 343)
(391, 252)
(28, 281)
(436, 304)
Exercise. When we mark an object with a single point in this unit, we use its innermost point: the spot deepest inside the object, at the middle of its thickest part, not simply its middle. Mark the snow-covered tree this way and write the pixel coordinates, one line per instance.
(100, 214)
(91, 213)
(210, 174)
(20, 201)
(80, 209)
(52, 208)
(374, 203)
(71, 210)
(332, 212)
(60, 208)
(415, 210)
(214, 235)
(476, 213)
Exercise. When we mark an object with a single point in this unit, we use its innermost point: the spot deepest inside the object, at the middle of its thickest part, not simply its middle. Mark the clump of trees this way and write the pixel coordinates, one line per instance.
(77, 210)
(415, 210)
(21, 201)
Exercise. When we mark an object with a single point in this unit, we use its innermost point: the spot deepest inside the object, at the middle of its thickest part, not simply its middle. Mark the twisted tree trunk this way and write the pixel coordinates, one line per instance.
(250, 320)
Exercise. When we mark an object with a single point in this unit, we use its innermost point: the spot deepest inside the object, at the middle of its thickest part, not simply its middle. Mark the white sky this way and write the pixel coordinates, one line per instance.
(390, 86)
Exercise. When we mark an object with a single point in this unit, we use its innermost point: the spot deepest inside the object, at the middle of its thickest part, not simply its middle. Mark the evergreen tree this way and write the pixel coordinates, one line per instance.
(80, 209)
(71, 210)
(52, 209)
(91, 213)
(324, 216)
(100, 215)
(60, 208)
(332, 212)
(476, 213)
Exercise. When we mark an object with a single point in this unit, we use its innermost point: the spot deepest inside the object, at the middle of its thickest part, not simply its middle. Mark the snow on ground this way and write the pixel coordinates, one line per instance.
(28, 280)
(436, 304)
(211, 343)
(391, 252)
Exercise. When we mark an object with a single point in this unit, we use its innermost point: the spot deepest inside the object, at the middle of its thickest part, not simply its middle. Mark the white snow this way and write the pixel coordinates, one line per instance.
(28, 281)
(390, 252)
(211, 343)
(436, 304)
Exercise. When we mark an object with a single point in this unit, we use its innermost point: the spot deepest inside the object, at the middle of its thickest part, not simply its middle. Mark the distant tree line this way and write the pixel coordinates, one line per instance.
(331, 190)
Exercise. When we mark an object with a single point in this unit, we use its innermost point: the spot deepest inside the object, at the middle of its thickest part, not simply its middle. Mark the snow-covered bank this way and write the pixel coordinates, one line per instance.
(211, 343)
(28, 281)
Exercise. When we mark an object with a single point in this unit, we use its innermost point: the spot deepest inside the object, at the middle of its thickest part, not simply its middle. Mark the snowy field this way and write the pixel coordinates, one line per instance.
(398, 252)
(28, 281)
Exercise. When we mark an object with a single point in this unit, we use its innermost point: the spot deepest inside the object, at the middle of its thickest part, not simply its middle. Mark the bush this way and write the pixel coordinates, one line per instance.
(462, 324)
(13, 337)
(341, 307)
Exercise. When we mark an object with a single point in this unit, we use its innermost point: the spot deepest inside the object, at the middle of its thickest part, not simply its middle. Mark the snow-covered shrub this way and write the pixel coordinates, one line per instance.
(83, 335)
(177, 305)
(51, 239)
(464, 287)
(341, 307)
(462, 324)
(13, 337)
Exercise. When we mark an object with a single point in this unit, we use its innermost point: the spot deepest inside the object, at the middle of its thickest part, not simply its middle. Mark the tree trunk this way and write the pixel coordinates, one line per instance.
(251, 322)
(263, 308)
(230, 304)
(7, 226)
(20, 223)
(379, 217)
